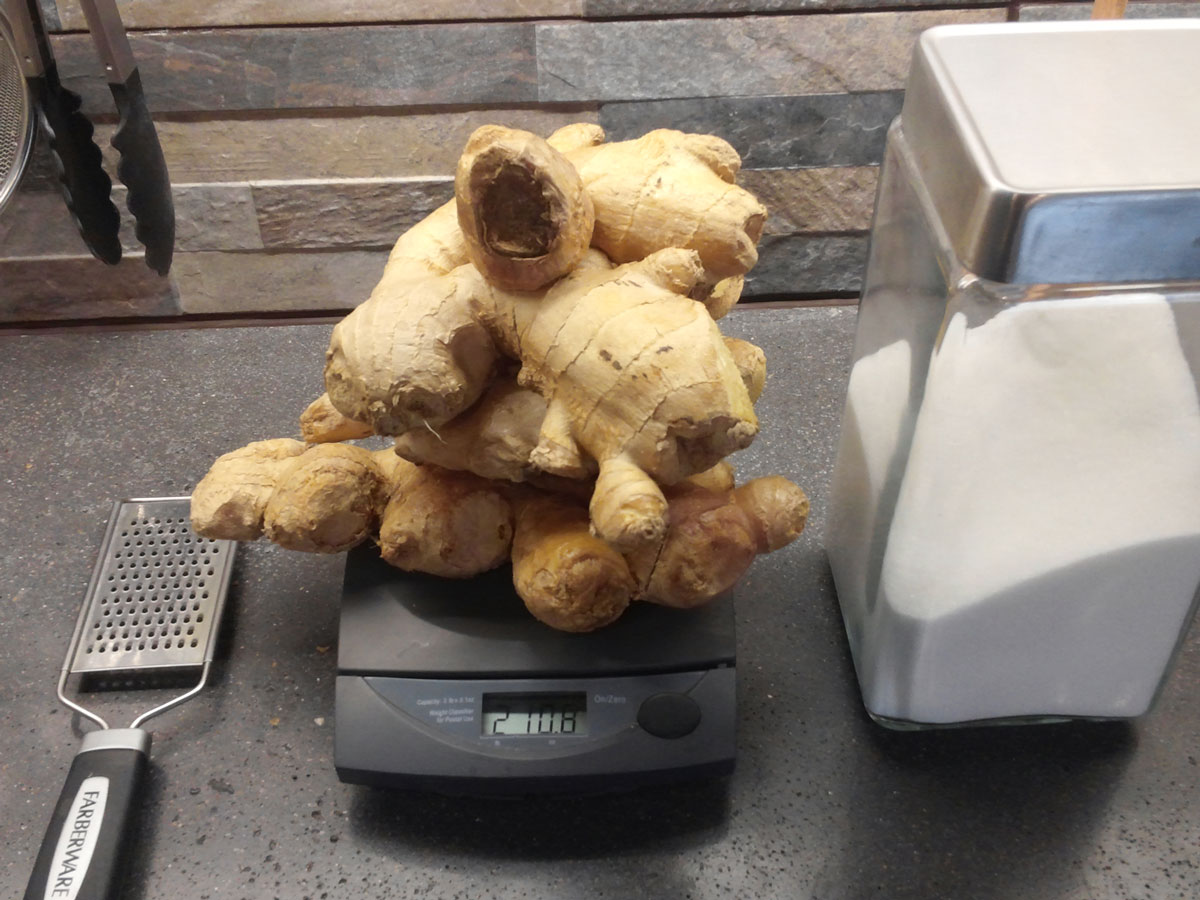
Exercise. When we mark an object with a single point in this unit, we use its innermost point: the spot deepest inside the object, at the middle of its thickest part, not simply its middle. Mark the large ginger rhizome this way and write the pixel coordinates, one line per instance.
(551, 333)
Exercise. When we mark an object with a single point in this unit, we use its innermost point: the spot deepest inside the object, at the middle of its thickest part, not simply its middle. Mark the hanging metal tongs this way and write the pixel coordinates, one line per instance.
(85, 185)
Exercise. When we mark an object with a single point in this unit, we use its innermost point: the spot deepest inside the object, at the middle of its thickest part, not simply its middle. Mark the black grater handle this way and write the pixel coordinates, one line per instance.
(82, 851)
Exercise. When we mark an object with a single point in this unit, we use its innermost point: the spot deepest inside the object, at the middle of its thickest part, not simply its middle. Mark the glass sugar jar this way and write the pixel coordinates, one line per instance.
(1014, 524)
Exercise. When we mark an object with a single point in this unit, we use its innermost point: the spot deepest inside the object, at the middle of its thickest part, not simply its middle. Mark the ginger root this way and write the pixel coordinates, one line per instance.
(715, 535)
(493, 439)
(322, 499)
(497, 436)
(636, 377)
(322, 423)
(567, 577)
(452, 524)
(231, 499)
(330, 497)
(326, 498)
(670, 189)
(543, 350)
(524, 214)
(326, 501)
(573, 581)
(412, 355)
(751, 364)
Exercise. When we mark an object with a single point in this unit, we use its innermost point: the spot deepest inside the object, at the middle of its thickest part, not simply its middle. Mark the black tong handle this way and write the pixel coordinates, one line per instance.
(141, 167)
(143, 170)
(84, 184)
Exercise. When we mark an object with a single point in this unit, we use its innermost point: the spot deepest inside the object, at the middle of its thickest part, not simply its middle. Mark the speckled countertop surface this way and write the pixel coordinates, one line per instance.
(243, 800)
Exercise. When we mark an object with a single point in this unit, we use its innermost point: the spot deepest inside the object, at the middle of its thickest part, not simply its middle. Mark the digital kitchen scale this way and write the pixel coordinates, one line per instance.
(453, 686)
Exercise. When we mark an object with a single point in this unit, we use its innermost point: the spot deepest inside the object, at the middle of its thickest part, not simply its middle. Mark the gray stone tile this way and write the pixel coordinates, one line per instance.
(353, 145)
(799, 265)
(1050, 12)
(743, 56)
(616, 9)
(372, 213)
(358, 213)
(295, 68)
(50, 14)
(267, 282)
(37, 223)
(772, 132)
(804, 201)
(40, 172)
(205, 13)
(207, 217)
(80, 287)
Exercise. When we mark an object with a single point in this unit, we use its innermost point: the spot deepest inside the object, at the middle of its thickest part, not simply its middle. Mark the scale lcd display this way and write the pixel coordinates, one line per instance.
(535, 714)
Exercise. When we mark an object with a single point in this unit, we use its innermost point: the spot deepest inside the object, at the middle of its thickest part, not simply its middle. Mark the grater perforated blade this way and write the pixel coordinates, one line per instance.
(156, 595)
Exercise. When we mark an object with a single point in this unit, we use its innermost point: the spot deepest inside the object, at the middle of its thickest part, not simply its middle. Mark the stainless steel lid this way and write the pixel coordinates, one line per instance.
(1062, 152)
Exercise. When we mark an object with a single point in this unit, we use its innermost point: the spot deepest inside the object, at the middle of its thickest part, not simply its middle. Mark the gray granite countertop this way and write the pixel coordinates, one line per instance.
(243, 799)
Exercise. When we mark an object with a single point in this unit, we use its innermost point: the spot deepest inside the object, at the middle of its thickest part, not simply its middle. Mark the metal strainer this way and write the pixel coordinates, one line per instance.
(16, 115)
(153, 606)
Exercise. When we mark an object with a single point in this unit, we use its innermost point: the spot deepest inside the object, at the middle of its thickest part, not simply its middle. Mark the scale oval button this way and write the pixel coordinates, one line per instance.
(669, 715)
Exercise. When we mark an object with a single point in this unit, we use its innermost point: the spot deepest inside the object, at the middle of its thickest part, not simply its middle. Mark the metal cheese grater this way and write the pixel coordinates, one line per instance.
(153, 606)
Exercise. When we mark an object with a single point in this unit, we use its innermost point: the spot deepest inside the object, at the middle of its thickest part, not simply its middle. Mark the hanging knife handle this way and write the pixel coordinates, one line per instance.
(84, 184)
(142, 167)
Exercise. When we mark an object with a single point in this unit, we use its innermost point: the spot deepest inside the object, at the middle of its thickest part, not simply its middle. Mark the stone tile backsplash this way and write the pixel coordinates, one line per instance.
(304, 136)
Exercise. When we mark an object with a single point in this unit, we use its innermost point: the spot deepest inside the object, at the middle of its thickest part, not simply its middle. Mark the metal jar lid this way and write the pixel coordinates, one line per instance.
(1062, 152)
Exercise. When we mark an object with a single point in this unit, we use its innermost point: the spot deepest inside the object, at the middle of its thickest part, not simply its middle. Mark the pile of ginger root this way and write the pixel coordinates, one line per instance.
(543, 350)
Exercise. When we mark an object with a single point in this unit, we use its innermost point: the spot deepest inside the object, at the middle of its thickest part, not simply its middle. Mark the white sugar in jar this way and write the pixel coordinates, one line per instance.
(1043, 555)
(1014, 519)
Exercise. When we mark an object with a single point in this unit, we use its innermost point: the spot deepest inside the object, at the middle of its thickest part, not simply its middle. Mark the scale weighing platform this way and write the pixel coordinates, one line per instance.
(453, 686)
